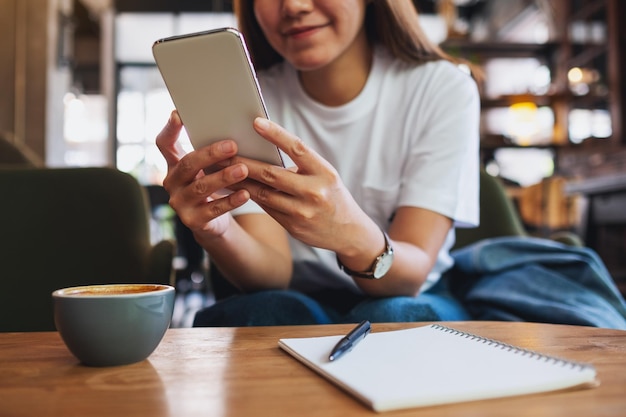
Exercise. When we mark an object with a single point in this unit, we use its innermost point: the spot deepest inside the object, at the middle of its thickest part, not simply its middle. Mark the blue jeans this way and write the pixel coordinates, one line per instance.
(514, 278)
(288, 307)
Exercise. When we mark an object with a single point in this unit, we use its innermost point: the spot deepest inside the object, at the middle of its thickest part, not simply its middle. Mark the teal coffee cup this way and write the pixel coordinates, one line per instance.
(113, 324)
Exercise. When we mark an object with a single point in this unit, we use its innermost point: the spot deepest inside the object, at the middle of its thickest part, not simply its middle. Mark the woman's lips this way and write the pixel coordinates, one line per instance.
(301, 32)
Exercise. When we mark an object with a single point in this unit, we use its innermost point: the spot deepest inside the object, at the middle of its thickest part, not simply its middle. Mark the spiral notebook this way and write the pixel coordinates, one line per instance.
(433, 365)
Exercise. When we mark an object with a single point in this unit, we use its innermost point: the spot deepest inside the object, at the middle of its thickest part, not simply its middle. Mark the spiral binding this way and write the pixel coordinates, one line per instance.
(514, 349)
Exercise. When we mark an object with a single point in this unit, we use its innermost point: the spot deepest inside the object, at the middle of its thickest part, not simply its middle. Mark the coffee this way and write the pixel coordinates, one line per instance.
(113, 324)
(113, 289)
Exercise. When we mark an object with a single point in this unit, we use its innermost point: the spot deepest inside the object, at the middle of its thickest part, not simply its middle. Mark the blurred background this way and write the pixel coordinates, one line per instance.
(80, 88)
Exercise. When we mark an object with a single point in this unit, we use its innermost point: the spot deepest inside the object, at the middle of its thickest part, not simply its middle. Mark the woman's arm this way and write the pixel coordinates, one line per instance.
(252, 251)
(253, 254)
(416, 236)
(314, 206)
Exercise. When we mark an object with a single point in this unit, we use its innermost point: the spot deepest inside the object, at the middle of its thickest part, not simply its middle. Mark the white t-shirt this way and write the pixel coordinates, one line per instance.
(410, 138)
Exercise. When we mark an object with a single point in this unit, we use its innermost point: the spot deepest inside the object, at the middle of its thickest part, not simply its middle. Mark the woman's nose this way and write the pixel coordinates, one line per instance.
(294, 8)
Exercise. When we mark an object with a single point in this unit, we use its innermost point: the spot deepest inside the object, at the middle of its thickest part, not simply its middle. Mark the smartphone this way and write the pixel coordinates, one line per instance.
(214, 87)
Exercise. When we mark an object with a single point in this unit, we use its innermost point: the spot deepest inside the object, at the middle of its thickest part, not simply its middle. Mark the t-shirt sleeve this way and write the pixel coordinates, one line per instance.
(442, 171)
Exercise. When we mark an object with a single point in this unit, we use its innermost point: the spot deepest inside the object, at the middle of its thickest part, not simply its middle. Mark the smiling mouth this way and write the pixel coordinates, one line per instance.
(296, 32)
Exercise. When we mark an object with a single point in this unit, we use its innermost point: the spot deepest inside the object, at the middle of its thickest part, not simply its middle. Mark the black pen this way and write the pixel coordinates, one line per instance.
(350, 340)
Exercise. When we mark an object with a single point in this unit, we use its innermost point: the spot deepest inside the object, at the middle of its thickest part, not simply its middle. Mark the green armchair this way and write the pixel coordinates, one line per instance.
(12, 152)
(499, 217)
(71, 226)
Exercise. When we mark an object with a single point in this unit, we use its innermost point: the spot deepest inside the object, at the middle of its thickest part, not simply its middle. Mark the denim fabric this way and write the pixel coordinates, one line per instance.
(533, 279)
(288, 307)
(263, 308)
(433, 305)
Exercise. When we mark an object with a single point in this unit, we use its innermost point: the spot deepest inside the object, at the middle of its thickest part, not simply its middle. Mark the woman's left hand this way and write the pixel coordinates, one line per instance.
(312, 203)
(309, 200)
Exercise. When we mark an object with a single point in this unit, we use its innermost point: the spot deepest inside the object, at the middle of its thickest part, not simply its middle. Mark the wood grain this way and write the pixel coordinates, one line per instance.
(242, 372)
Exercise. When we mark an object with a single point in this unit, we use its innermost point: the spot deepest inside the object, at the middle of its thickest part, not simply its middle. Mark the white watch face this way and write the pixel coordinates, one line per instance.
(383, 265)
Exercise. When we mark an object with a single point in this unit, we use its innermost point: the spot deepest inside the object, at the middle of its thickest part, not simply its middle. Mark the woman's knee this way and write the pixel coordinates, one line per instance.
(392, 309)
(425, 307)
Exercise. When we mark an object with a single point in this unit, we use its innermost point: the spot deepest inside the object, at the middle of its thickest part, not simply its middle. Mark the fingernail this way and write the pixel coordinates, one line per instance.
(262, 123)
(226, 147)
(238, 173)
(240, 197)
(173, 117)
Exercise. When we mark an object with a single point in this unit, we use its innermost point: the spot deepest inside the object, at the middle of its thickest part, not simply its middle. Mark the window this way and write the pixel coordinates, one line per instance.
(143, 103)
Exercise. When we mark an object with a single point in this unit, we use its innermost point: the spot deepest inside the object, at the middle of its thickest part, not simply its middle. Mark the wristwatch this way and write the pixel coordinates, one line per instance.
(379, 268)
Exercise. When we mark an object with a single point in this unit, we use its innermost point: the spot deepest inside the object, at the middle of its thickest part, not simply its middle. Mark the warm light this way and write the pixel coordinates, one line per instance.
(575, 75)
(524, 106)
(580, 80)
(523, 122)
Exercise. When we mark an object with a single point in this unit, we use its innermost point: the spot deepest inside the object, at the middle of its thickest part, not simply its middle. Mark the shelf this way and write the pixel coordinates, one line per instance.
(567, 49)
(506, 101)
(589, 10)
(465, 48)
(589, 52)
(601, 185)
(587, 101)
(493, 141)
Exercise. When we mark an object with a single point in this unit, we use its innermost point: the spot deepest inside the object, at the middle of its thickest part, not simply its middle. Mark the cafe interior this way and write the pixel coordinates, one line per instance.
(80, 89)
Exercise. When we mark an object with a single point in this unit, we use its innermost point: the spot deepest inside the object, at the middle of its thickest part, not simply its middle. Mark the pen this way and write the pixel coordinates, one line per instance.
(350, 340)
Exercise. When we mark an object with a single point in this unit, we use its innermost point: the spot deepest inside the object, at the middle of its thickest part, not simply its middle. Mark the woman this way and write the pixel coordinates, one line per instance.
(382, 132)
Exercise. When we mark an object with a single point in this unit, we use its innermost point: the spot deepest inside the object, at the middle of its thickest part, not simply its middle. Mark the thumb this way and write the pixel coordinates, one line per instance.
(167, 139)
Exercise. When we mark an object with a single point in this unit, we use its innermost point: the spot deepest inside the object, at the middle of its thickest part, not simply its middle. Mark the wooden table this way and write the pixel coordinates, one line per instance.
(242, 372)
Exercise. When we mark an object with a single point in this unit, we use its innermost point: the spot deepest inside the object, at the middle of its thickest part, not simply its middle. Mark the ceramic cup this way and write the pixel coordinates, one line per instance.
(113, 324)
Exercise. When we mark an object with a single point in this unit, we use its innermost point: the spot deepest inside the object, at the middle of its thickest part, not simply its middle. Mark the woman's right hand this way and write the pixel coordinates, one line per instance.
(194, 194)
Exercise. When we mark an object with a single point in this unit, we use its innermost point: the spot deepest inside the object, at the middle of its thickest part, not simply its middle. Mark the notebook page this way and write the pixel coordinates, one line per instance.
(430, 365)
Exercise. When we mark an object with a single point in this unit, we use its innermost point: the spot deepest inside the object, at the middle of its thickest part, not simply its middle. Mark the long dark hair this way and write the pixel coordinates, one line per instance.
(393, 23)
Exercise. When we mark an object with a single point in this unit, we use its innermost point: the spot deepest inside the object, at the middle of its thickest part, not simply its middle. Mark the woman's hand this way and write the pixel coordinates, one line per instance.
(310, 201)
(193, 194)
